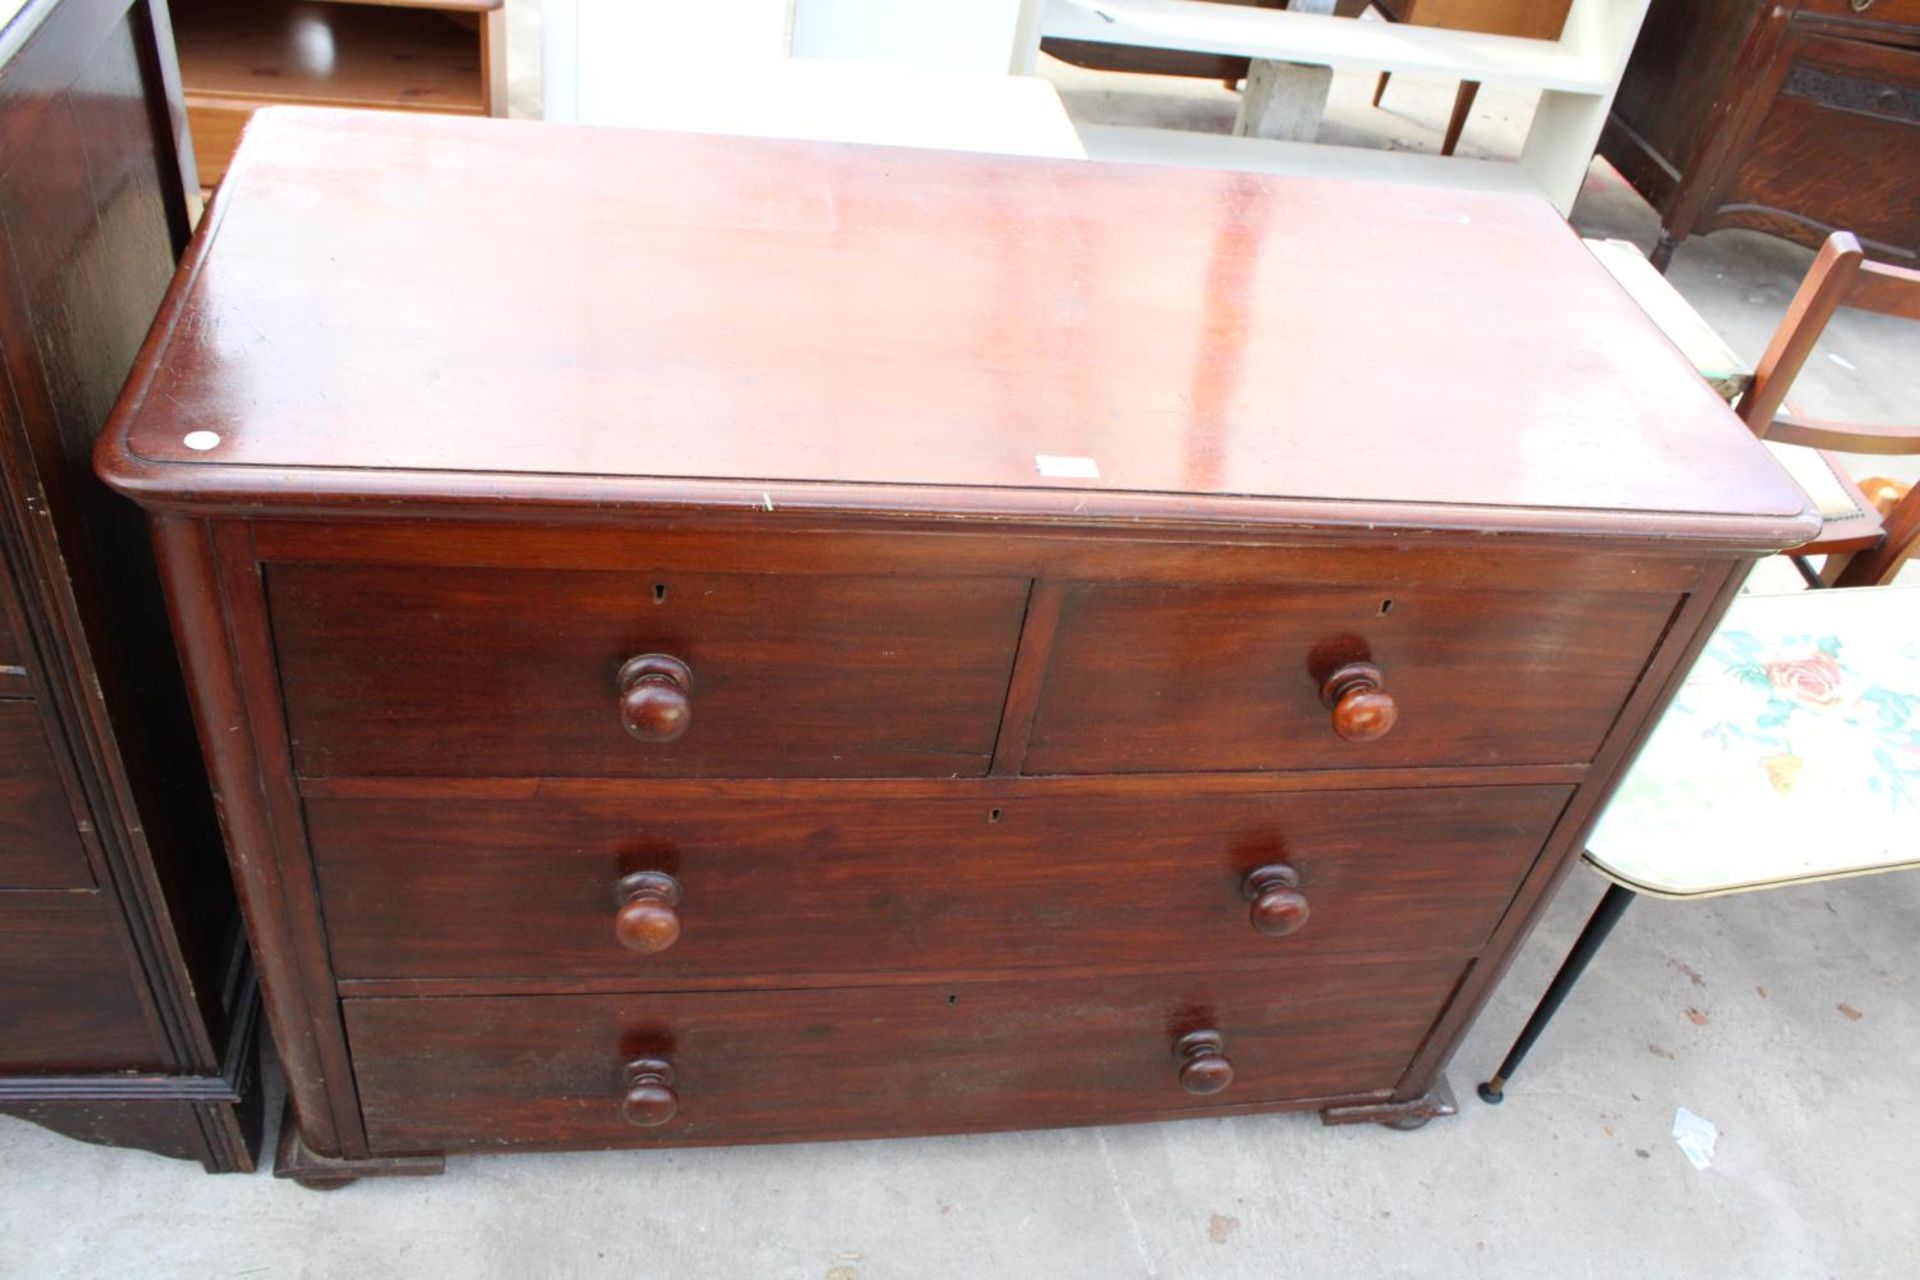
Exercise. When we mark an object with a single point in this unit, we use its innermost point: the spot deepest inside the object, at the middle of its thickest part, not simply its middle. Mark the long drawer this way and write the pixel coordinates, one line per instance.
(486, 1073)
(39, 846)
(850, 883)
(487, 672)
(1153, 677)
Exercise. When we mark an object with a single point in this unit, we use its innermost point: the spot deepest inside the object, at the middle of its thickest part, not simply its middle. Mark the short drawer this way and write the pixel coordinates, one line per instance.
(765, 889)
(67, 997)
(505, 672)
(1152, 678)
(568, 1071)
(39, 846)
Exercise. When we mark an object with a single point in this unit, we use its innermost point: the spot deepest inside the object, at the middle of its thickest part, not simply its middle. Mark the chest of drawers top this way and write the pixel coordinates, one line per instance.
(438, 313)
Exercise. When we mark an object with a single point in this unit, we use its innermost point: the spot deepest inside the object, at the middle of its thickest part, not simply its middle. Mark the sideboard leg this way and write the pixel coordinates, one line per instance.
(1663, 250)
(1411, 1113)
(316, 1172)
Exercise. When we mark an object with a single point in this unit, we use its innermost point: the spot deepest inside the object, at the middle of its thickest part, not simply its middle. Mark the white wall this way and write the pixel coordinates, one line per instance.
(956, 35)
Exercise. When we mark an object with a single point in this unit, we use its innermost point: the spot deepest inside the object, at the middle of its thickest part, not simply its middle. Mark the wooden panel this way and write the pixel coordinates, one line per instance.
(845, 883)
(1532, 19)
(1838, 149)
(68, 1003)
(15, 681)
(1165, 62)
(1686, 51)
(216, 123)
(500, 672)
(348, 54)
(240, 55)
(1148, 320)
(1867, 19)
(488, 1074)
(132, 981)
(39, 848)
(1155, 677)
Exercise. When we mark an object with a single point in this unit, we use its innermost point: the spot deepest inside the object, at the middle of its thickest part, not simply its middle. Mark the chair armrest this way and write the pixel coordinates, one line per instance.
(1846, 437)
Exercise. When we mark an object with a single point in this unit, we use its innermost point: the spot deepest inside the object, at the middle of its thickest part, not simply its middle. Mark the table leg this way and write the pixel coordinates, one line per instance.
(1605, 916)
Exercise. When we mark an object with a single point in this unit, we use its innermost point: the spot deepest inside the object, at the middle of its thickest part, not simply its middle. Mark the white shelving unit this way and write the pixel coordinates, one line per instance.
(1576, 75)
(605, 56)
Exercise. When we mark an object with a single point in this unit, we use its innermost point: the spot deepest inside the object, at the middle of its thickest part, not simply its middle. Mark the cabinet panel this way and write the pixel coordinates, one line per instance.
(68, 1003)
(39, 847)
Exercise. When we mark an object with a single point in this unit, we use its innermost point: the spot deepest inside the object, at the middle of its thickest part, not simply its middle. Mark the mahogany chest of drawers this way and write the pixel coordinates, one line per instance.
(710, 641)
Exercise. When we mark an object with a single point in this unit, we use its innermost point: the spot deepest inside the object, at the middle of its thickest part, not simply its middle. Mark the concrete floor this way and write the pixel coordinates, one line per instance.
(1789, 1019)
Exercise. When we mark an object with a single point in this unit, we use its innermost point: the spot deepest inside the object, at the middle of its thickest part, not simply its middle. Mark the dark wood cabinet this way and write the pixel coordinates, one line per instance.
(852, 641)
(127, 1002)
(1796, 118)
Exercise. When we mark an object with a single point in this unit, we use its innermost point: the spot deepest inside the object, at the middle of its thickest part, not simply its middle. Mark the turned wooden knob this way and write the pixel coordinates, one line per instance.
(1203, 1062)
(1362, 708)
(650, 1098)
(648, 919)
(656, 702)
(1277, 907)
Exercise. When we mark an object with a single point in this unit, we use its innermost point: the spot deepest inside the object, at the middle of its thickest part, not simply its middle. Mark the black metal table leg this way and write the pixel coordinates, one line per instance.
(1612, 906)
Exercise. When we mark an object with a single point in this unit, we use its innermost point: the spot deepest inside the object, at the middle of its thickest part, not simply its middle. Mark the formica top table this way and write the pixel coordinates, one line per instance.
(712, 640)
(1791, 754)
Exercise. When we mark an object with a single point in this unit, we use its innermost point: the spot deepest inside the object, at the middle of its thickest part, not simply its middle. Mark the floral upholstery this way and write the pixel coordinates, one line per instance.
(1791, 753)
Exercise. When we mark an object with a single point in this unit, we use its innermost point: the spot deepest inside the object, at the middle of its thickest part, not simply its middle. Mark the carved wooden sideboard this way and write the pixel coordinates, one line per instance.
(824, 641)
(1794, 117)
(127, 1008)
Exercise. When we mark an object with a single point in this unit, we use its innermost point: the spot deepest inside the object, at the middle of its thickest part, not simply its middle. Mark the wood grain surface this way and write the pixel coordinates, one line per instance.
(741, 336)
(843, 882)
(546, 1072)
(1164, 676)
(496, 672)
(68, 1003)
(39, 848)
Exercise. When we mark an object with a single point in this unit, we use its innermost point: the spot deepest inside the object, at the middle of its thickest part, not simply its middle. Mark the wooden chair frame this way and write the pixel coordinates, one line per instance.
(1866, 550)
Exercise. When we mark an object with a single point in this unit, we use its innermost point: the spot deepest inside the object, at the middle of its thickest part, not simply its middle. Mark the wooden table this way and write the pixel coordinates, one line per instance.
(1792, 753)
(833, 640)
